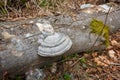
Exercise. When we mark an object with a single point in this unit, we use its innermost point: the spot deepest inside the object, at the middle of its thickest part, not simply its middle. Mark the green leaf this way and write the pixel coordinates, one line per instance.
(66, 76)
(23, 1)
(18, 78)
(83, 60)
(43, 3)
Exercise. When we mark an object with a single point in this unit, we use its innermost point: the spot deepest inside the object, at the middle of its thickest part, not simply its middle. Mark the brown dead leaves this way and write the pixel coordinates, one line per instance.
(102, 61)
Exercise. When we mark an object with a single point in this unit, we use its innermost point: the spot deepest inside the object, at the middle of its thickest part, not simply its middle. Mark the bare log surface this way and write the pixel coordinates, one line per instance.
(78, 31)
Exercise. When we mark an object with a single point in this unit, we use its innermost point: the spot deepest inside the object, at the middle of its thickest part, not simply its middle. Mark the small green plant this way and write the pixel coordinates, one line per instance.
(51, 4)
(73, 56)
(3, 9)
(43, 3)
(67, 57)
(83, 62)
(99, 28)
(18, 77)
(66, 76)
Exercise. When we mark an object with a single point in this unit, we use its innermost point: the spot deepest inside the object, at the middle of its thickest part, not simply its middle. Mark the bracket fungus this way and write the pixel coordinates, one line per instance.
(51, 43)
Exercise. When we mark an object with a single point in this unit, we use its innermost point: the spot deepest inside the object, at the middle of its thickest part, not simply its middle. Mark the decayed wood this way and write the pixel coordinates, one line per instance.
(78, 31)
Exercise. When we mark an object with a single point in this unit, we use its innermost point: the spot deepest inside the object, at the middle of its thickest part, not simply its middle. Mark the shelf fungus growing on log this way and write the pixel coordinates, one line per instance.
(51, 43)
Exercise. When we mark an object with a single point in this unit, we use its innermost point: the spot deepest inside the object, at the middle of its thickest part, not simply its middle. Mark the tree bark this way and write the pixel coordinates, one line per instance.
(78, 30)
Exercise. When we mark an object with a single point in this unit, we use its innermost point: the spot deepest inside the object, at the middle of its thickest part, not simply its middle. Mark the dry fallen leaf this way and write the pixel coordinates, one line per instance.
(6, 35)
(53, 68)
(111, 54)
(94, 54)
(74, 16)
(86, 55)
(114, 42)
(102, 61)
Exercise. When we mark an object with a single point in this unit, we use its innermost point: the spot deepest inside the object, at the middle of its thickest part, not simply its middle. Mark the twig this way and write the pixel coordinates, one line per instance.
(111, 63)
(116, 64)
(102, 28)
(76, 62)
(32, 35)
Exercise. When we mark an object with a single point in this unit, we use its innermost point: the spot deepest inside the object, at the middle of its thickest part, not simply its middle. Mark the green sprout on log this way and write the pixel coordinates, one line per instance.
(99, 28)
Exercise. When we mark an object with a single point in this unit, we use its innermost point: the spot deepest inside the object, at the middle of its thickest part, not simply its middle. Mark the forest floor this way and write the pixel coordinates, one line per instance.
(102, 65)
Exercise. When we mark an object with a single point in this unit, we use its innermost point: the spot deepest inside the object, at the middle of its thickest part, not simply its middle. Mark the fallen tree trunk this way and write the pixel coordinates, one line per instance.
(78, 31)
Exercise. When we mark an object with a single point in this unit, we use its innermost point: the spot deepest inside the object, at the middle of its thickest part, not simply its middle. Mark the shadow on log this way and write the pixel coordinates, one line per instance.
(78, 31)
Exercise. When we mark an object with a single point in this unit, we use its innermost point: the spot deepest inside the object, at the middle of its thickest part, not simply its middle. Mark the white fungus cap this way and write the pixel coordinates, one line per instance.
(54, 45)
